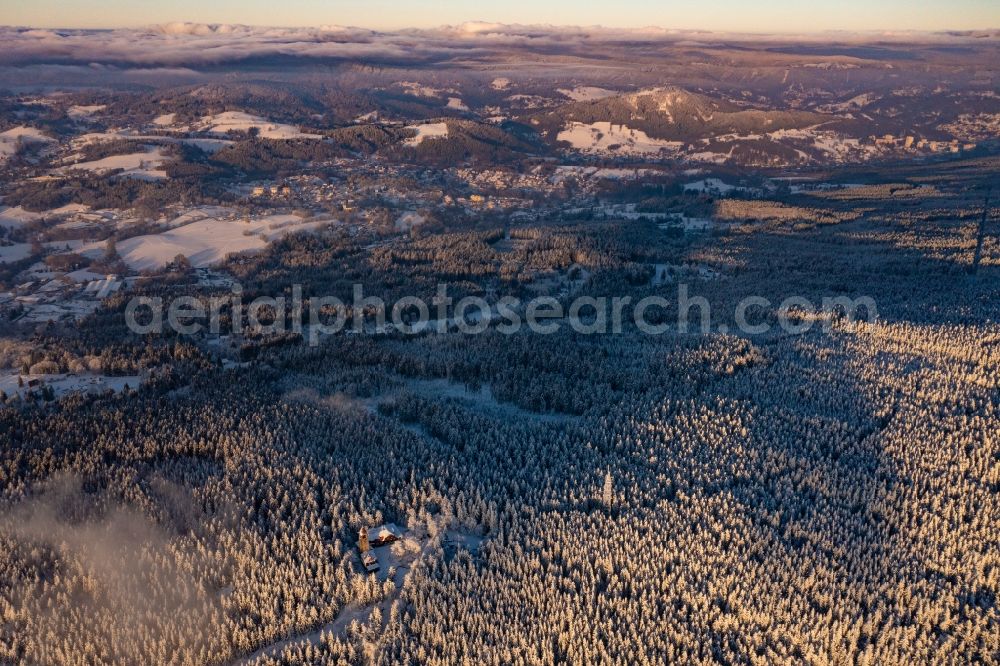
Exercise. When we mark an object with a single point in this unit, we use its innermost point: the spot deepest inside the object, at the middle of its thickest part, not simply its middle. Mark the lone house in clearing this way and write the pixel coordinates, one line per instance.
(382, 535)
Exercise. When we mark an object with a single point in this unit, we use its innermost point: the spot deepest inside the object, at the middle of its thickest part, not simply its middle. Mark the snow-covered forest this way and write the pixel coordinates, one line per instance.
(830, 497)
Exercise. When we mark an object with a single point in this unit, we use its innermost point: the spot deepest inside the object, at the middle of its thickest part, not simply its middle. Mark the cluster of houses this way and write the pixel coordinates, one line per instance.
(69, 295)
(309, 190)
(271, 191)
(912, 143)
(391, 185)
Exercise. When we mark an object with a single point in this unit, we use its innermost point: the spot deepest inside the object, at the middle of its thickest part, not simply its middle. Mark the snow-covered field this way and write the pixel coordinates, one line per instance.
(62, 384)
(75, 309)
(209, 145)
(19, 251)
(711, 186)
(10, 139)
(164, 120)
(603, 137)
(688, 223)
(457, 104)
(420, 90)
(78, 112)
(11, 218)
(196, 214)
(587, 93)
(204, 242)
(145, 165)
(529, 101)
(15, 252)
(240, 121)
(708, 157)
(427, 131)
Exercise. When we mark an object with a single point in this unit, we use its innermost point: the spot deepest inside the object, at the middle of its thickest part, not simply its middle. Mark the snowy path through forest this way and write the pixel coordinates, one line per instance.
(362, 612)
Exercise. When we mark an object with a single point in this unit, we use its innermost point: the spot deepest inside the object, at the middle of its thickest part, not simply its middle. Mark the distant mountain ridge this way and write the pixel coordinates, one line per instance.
(675, 114)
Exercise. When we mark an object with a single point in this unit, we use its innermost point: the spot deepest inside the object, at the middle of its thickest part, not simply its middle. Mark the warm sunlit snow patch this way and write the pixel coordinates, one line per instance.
(165, 120)
(420, 90)
(12, 138)
(427, 131)
(587, 93)
(205, 242)
(710, 185)
(457, 103)
(243, 122)
(528, 101)
(708, 157)
(98, 137)
(206, 144)
(605, 137)
(144, 165)
(79, 112)
(11, 218)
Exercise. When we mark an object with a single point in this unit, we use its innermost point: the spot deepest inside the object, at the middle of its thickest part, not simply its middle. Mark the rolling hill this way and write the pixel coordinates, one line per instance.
(451, 141)
(672, 122)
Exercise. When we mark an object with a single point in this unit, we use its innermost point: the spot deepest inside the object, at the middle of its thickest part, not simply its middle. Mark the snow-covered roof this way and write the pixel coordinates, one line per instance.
(387, 530)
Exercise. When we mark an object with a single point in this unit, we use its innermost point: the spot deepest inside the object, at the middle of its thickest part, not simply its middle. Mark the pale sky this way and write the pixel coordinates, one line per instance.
(723, 15)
